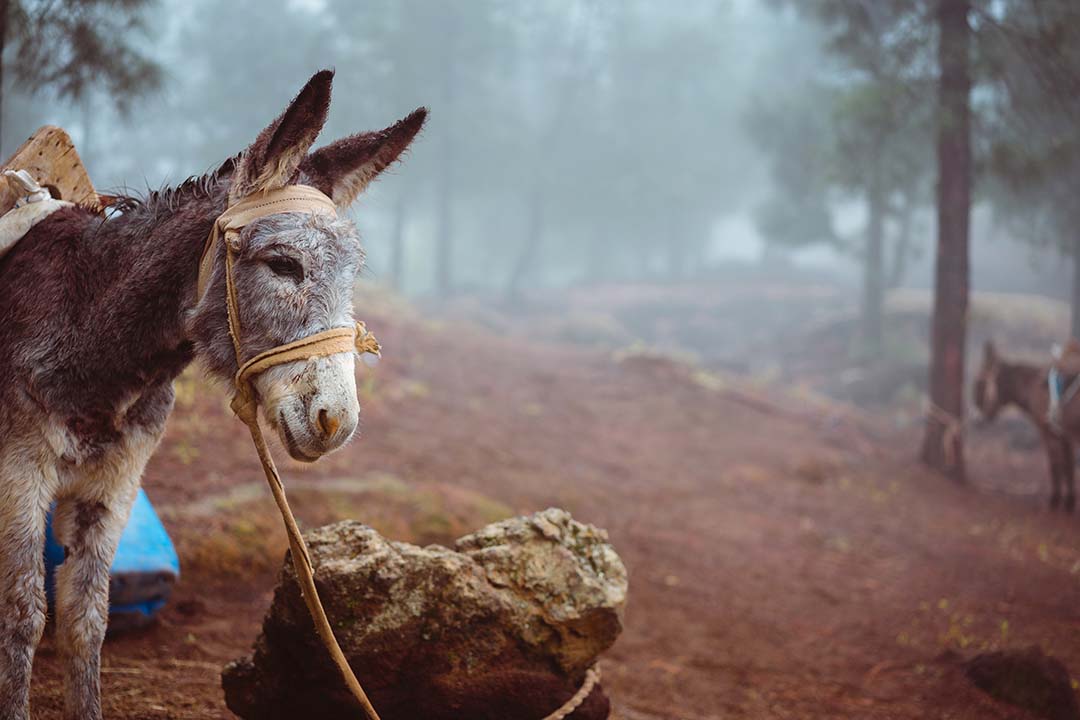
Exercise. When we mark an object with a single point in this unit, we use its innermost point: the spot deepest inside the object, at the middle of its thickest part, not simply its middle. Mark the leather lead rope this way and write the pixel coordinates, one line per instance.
(245, 402)
(304, 572)
(592, 677)
(301, 198)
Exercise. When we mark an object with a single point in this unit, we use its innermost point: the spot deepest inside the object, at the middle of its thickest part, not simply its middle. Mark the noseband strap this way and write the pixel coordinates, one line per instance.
(291, 199)
(331, 342)
(328, 342)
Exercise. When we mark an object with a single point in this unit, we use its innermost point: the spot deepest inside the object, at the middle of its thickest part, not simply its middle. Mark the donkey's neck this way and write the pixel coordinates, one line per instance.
(151, 256)
(141, 270)
(1016, 381)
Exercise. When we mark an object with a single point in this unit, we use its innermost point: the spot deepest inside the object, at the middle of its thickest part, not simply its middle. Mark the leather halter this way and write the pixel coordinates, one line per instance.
(302, 199)
(227, 227)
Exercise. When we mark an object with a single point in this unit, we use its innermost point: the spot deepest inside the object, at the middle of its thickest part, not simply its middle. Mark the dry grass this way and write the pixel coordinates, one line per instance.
(238, 533)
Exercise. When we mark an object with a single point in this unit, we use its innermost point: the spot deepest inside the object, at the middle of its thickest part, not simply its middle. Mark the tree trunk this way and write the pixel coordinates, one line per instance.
(644, 267)
(676, 258)
(678, 244)
(902, 248)
(444, 233)
(598, 259)
(943, 442)
(526, 257)
(397, 244)
(1075, 305)
(444, 238)
(88, 146)
(873, 271)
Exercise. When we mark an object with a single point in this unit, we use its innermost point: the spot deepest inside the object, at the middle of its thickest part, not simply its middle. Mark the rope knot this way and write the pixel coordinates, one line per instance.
(365, 340)
(952, 430)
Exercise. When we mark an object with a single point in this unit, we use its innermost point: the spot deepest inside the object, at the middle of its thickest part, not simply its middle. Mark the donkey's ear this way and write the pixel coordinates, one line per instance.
(273, 159)
(344, 168)
(990, 356)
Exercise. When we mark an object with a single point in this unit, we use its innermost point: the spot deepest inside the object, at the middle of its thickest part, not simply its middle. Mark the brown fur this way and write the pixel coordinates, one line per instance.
(1000, 384)
(100, 316)
(344, 168)
(273, 159)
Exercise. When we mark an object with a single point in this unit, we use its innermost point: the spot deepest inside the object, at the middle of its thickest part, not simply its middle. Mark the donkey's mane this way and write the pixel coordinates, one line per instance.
(168, 199)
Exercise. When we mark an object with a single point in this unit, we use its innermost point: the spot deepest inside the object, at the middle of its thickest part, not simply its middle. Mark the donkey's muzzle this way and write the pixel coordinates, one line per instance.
(333, 426)
(311, 404)
(309, 436)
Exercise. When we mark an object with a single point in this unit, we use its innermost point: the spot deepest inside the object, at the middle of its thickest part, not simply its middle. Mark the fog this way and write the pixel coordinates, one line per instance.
(695, 271)
(570, 141)
(579, 144)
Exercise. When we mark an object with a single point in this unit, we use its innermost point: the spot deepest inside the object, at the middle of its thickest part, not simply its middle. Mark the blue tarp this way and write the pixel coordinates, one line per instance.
(143, 572)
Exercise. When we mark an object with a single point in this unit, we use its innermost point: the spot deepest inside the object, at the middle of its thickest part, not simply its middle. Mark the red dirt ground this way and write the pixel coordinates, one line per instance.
(787, 560)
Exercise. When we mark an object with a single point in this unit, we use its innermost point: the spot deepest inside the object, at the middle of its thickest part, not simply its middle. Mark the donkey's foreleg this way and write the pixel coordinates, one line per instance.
(23, 504)
(89, 526)
(1068, 474)
(89, 519)
(1054, 455)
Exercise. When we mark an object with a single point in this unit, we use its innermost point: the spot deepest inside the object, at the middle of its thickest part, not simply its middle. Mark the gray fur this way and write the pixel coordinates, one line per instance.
(100, 316)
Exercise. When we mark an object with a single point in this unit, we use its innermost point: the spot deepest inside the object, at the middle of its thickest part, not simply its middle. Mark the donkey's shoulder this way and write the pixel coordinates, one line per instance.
(35, 274)
(66, 224)
(46, 249)
(63, 228)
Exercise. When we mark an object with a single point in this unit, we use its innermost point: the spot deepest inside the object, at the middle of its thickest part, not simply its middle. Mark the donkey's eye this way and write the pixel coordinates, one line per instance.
(286, 267)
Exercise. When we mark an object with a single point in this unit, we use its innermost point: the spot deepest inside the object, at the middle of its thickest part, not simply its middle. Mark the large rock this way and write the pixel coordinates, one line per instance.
(504, 627)
(1028, 679)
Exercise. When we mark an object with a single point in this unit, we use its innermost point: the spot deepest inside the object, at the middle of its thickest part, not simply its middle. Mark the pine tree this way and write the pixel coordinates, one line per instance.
(71, 46)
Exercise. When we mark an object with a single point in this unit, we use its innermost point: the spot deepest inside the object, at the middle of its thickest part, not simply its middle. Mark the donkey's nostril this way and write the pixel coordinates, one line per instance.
(328, 424)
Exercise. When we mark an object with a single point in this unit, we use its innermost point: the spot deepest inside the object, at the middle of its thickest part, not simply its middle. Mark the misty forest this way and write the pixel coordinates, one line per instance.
(729, 359)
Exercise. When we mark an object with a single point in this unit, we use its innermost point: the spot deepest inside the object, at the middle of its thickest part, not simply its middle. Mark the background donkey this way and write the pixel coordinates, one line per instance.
(1000, 383)
(101, 315)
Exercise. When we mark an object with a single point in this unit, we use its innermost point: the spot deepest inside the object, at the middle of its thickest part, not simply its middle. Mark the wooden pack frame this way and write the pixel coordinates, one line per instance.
(50, 157)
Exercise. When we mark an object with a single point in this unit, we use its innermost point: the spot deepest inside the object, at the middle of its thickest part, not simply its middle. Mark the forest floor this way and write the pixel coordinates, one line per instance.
(787, 557)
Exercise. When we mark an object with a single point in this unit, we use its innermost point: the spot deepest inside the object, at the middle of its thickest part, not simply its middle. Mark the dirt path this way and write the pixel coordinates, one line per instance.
(785, 562)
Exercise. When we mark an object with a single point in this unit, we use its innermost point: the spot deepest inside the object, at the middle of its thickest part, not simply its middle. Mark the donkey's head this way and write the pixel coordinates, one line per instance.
(294, 272)
(986, 388)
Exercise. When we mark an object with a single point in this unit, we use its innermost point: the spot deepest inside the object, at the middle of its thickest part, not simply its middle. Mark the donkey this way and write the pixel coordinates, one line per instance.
(101, 314)
(1000, 383)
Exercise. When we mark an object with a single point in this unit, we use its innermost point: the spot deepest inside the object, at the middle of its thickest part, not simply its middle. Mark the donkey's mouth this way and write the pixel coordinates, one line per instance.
(290, 442)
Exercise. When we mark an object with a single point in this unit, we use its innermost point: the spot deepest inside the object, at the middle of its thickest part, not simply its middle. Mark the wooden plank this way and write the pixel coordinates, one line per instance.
(50, 157)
